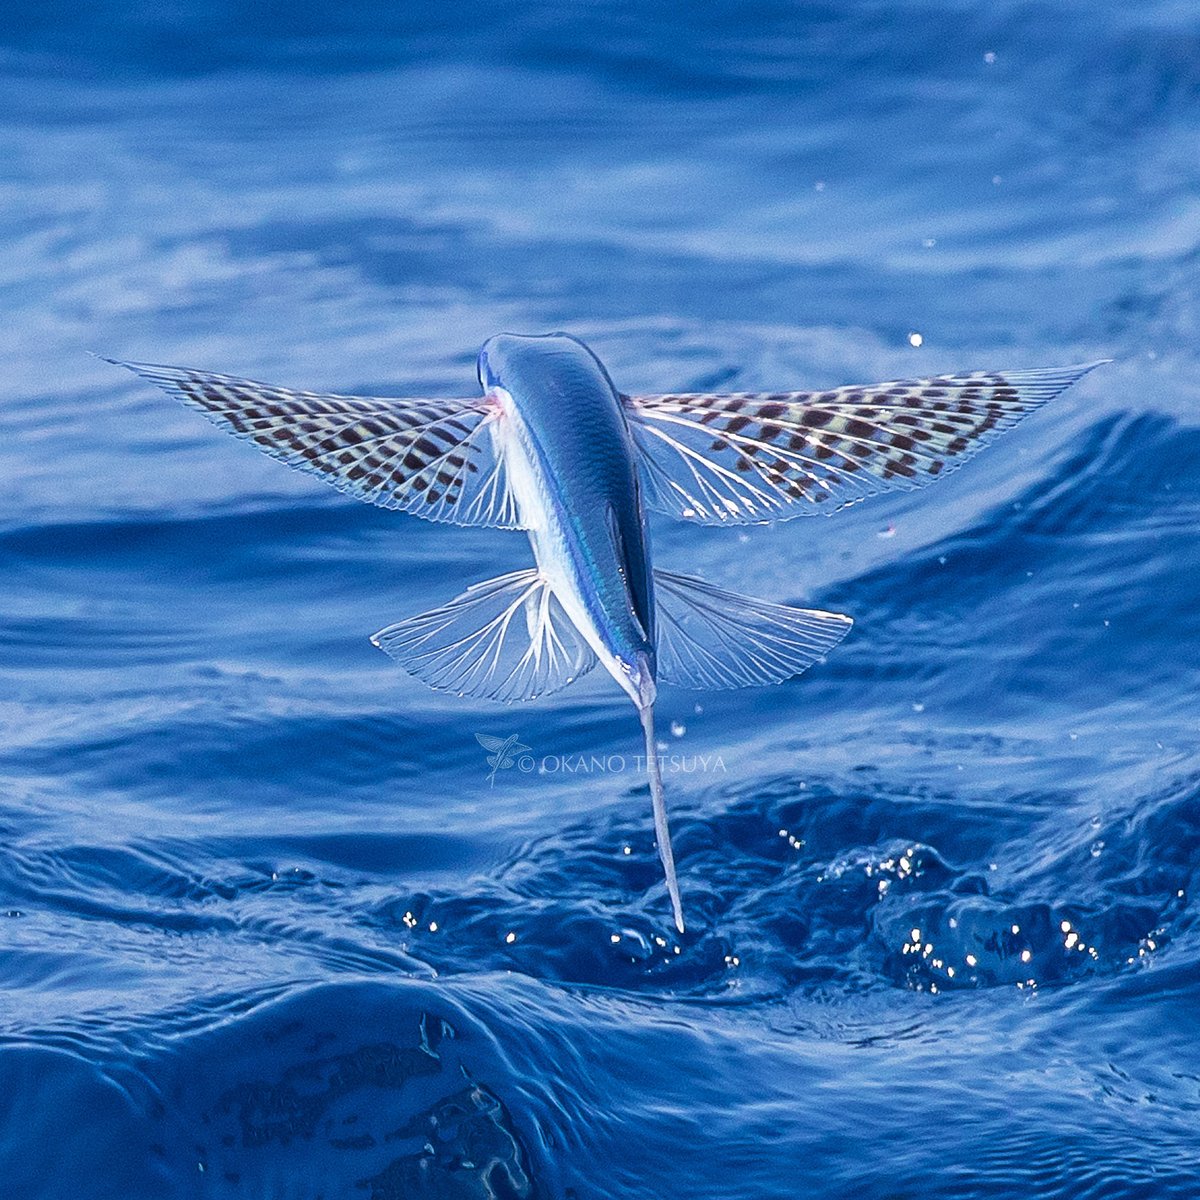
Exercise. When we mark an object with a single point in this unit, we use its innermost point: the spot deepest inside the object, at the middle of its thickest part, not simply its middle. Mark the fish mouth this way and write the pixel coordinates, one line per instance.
(483, 370)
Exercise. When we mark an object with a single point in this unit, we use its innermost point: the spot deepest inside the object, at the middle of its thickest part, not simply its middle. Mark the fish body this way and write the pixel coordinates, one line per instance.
(553, 448)
(571, 462)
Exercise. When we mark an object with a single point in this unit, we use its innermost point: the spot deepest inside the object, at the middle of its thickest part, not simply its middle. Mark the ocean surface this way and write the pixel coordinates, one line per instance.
(268, 929)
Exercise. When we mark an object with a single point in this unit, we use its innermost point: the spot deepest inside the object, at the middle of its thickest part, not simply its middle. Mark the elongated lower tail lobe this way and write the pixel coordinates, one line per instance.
(662, 832)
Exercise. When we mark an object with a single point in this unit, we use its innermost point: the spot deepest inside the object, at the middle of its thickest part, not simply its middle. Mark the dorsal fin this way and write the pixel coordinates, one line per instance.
(637, 578)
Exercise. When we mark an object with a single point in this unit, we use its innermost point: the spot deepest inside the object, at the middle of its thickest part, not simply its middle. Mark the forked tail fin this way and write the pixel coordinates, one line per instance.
(662, 832)
(711, 638)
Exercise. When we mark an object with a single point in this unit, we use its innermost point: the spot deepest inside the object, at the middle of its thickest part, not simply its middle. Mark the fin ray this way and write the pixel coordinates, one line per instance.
(506, 639)
(433, 458)
(751, 457)
(710, 638)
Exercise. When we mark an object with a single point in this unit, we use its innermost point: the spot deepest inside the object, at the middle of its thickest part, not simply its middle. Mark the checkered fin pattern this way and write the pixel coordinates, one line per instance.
(750, 457)
(431, 458)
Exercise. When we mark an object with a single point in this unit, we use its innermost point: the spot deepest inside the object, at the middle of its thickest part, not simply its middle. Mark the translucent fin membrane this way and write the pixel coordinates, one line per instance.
(753, 457)
(711, 638)
(431, 458)
(505, 639)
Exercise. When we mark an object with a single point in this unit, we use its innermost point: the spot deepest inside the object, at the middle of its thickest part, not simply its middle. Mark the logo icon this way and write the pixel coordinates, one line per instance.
(502, 753)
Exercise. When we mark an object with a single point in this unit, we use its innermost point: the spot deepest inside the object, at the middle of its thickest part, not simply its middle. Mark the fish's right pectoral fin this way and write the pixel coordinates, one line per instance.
(709, 638)
(506, 639)
(747, 457)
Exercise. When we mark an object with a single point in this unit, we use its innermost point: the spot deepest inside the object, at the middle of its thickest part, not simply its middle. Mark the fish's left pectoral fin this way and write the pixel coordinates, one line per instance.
(747, 458)
(710, 638)
(433, 458)
(506, 639)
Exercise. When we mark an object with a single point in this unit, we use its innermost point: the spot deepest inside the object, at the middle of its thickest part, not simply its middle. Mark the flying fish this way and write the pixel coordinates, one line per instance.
(550, 446)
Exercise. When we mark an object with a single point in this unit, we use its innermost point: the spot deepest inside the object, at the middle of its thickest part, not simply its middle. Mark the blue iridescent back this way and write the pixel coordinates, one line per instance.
(586, 451)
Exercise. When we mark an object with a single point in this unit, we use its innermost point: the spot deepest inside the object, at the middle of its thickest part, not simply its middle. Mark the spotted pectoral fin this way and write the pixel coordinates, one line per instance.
(432, 458)
(709, 638)
(751, 457)
(508, 638)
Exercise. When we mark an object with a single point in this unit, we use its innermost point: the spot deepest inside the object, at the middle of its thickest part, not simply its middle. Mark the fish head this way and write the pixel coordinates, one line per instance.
(498, 353)
(542, 363)
(506, 353)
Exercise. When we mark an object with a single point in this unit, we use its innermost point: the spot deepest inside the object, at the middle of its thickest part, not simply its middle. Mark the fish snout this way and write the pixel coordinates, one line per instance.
(484, 369)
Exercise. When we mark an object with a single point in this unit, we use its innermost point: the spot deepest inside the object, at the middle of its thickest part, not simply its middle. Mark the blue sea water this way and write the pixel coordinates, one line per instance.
(266, 927)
